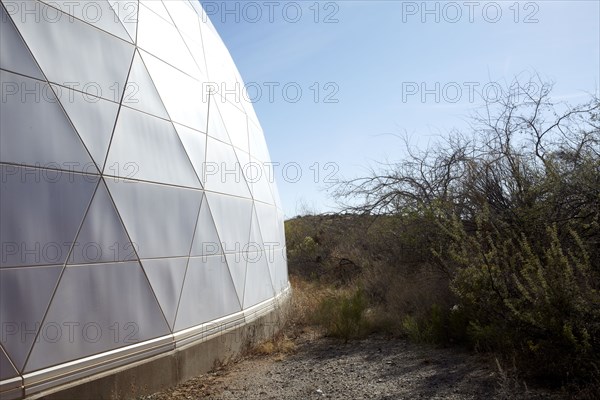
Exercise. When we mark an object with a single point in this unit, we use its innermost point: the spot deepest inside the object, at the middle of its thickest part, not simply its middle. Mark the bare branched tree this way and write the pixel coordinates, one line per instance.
(517, 142)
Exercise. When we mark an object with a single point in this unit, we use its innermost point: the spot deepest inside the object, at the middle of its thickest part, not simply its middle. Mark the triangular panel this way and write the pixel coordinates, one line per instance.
(258, 145)
(232, 216)
(280, 268)
(24, 297)
(247, 104)
(184, 19)
(220, 65)
(236, 123)
(147, 148)
(40, 217)
(166, 278)
(256, 245)
(163, 40)
(188, 25)
(280, 227)
(14, 54)
(87, 57)
(195, 147)
(114, 305)
(160, 219)
(127, 12)
(94, 119)
(22, 120)
(100, 15)
(237, 268)
(206, 240)
(259, 175)
(223, 172)
(102, 237)
(255, 242)
(278, 264)
(270, 230)
(244, 160)
(208, 293)
(158, 8)
(199, 11)
(216, 126)
(141, 93)
(197, 52)
(7, 370)
(188, 107)
(258, 285)
(275, 193)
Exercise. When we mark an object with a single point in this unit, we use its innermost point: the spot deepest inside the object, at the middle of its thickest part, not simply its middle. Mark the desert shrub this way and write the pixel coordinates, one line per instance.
(342, 315)
(543, 305)
(411, 328)
(327, 248)
(508, 215)
(429, 328)
(438, 325)
(306, 298)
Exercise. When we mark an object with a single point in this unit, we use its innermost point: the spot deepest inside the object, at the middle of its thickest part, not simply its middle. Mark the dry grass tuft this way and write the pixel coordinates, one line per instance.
(280, 345)
(306, 299)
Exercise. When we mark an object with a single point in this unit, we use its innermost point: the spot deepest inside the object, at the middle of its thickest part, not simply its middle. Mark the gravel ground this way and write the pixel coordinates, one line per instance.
(374, 368)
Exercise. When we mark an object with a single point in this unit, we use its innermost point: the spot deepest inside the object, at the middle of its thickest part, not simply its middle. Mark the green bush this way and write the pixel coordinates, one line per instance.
(412, 329)
(437, 326)
(343, 315)
(536, 297)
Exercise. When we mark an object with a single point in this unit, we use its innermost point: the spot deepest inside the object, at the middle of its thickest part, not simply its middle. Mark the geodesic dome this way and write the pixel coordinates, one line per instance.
(137, 210)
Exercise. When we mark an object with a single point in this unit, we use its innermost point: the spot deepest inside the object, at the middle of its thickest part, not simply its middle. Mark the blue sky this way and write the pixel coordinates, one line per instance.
(362, 67)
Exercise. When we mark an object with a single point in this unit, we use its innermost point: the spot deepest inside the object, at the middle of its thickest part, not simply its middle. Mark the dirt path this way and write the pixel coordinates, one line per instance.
(374, 368)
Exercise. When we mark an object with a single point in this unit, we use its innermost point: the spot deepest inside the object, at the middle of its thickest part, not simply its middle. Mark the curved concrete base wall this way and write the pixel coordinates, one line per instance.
(192, 355)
